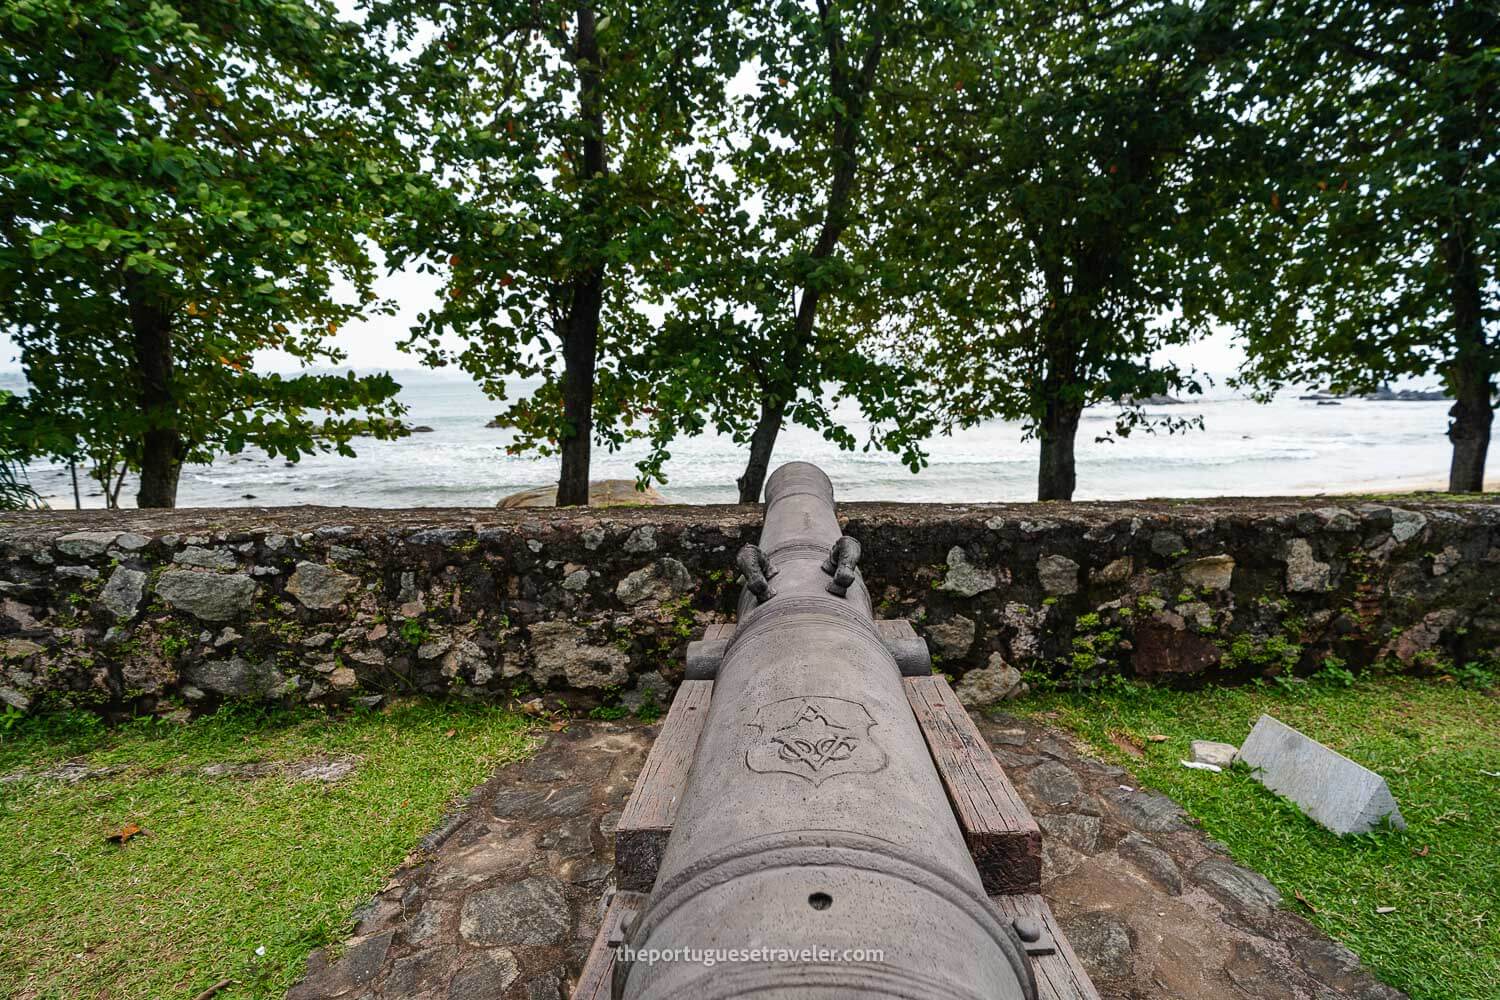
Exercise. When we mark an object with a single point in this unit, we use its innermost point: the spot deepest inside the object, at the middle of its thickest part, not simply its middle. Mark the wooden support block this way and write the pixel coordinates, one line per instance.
(722, 631)
(598, 971)
(1059, 976)
(647, 819)
(1002, 835)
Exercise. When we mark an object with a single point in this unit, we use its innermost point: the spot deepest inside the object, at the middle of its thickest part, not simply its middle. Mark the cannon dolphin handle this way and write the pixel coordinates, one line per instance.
(815, 853)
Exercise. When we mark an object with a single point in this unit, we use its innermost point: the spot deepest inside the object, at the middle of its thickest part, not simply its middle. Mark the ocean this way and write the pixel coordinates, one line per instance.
(1287, 447)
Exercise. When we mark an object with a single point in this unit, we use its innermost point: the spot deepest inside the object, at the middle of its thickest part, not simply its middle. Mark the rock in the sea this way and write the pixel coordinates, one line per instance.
(662, 580)
(213, 597)
(994, 683)
(602, 493)
(122, 595)
(319, 587)
(964, 578)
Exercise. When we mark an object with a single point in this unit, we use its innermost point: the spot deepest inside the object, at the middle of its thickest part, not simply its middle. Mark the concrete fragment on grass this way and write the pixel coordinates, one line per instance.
(1330, 788)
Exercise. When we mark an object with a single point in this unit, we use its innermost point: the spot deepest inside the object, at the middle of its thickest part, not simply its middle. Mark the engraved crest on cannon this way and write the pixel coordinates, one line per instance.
(815, 737)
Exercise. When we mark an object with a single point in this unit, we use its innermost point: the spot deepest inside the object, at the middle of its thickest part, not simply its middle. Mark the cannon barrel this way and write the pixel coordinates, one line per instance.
(813, 826)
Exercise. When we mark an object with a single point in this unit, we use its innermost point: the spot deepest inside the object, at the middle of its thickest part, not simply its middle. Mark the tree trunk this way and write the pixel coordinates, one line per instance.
(161, 445)
(853, 92)
(762, 442)
(581, 337)
(1470, 433)
(1471, 376)
(580, 351)
(1057, 476)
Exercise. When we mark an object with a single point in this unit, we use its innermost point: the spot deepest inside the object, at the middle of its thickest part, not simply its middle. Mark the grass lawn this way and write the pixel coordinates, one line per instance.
(1437, 744)
(236, 876)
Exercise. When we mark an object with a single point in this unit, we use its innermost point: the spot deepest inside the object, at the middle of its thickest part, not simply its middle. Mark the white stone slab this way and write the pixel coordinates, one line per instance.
(1329, 787)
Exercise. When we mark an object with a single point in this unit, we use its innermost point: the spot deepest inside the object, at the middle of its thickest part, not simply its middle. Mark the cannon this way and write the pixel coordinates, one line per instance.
(813, 837)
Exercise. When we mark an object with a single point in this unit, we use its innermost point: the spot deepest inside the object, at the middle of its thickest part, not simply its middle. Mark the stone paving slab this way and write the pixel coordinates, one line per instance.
(503, 898)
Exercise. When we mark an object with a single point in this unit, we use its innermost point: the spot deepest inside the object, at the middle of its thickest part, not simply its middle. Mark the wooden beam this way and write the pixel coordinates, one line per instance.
(1059, 976)
(595, 983)
(647, 819)
(1002, 835)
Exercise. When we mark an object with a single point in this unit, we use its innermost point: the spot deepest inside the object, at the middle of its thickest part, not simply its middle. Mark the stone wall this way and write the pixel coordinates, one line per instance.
(161, 611)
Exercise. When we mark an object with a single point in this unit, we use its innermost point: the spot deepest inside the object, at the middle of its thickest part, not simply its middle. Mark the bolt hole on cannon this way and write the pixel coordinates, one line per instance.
(306, 252)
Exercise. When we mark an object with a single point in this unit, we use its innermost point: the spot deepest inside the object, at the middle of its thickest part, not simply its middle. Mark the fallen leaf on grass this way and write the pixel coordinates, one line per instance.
(1303, 900)
(125, 832)
(451, 733)
(1157, 738)
(1422, 851)
(558, 727)
(1125, 743)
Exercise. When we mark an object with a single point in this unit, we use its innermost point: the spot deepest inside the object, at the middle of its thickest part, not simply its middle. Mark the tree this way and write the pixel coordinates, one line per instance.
(759, 327)
(553, 131)
(16, 492)
(1053, 178)
(184, 186)
(1371, 254)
